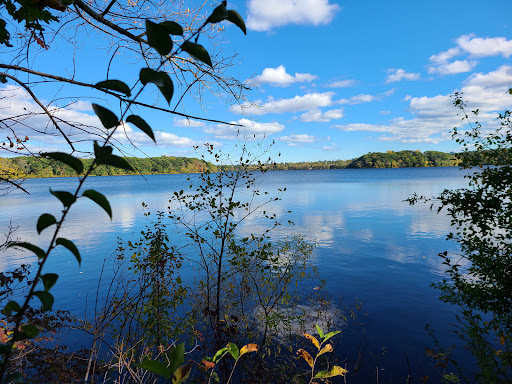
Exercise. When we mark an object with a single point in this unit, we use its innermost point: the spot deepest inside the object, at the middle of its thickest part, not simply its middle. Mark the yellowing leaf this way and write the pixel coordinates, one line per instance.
(325, 349)
(502, 339)
(312, 339)
(306, 356)
(248, 349)
(181, 374)
(335, 371)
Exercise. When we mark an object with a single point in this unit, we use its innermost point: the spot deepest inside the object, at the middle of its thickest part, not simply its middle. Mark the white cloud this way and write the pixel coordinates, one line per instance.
(400, 74)
(358, 99)
(188, 123)
(251, 130)
(458, 66)
(296, 104)
(279, 78)
(473, 47)
(487, 46)
(263, 15)
(342, 84)
(295, 140)
(446, 56)
(385, 112)
(434, 117)
(316, 115)
(163, 139)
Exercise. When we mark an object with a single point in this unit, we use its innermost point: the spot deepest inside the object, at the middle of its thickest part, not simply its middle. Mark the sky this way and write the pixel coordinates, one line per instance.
(332, 79)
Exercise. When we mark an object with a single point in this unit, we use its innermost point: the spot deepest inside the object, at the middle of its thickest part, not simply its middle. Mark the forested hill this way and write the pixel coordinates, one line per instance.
(404, 159)
(38, 167)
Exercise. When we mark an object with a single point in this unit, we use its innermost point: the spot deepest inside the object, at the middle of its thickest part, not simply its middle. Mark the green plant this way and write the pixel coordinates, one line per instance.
(158, 38)
(321, 350)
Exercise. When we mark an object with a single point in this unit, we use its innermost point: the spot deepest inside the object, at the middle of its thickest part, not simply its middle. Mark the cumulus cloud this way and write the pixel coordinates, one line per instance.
(435, 116)
(296, 104)
(400, 74)
(279, 78)
(263, 15)
(358, 99)
(342, 84)
(188, 123)
(457, 66)
(318, 116)
(487, 46)
(249, 129)
(472, 46)
(163, 139)
(295, 140)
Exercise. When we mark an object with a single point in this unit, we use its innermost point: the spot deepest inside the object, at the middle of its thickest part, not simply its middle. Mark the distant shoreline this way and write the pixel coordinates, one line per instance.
(37, 167)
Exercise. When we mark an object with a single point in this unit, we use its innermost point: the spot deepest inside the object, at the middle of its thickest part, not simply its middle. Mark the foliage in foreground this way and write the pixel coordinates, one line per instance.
(21, 327)
(479, 277)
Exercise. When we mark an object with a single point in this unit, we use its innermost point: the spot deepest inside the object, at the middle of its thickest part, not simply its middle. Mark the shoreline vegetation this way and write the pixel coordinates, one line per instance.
(38, 167)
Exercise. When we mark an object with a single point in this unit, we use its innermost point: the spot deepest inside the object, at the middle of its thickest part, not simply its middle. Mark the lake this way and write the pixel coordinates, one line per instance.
(371, 246)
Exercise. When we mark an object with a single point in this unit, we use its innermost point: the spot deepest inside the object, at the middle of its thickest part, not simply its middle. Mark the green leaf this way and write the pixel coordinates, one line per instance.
(335, 371)
(172, 28)
(106, 116)
(142, 125)
(11, 306)
(99, 199)
(46, 299)
(118, 162)
(157, 367)
(104, 156)
(44, 221)
(101, 152)
(31, 247)
(160, 79)
(66, 198)
(148, 75)
(176, 356)
(235, 18)
(219, 354)
(219, 13)
(49, 280)
(197, 51)
(331, 334)
(30, 330)
(70, 246)
(158, 38)
(233, 350)
(67, 159)
(114, 85)
(320, 332)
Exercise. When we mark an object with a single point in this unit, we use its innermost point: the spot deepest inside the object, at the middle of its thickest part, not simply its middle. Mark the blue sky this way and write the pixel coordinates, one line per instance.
(333, 79)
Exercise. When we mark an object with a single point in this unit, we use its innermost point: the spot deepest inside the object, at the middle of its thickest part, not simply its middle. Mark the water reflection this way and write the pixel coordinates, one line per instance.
(370, 243)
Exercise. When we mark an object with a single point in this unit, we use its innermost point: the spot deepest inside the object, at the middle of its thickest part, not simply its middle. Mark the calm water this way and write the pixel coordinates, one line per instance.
(371, 246)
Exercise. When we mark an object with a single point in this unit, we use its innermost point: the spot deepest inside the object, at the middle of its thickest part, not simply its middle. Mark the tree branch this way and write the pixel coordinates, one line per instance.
(34, 97)
(99, 17)
(64, 79)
